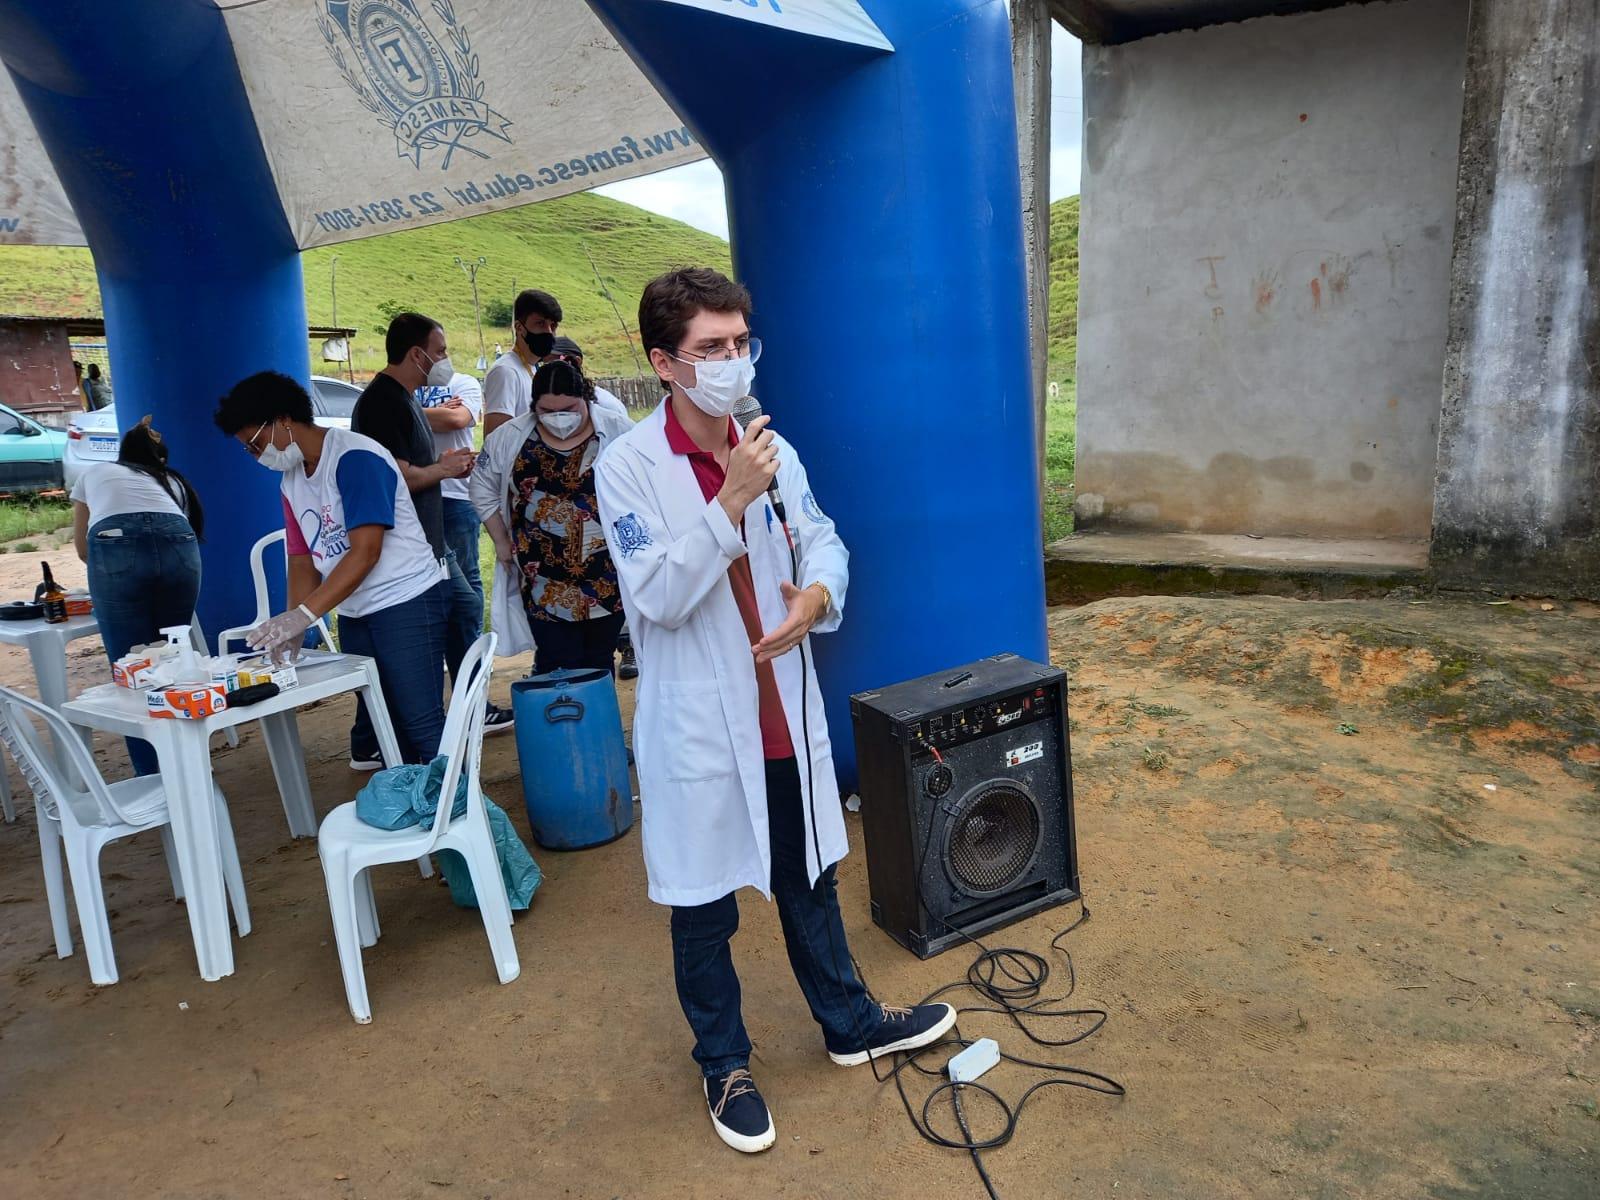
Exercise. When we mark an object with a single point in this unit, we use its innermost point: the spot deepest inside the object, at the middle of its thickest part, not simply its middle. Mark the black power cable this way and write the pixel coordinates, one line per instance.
(1010, 978)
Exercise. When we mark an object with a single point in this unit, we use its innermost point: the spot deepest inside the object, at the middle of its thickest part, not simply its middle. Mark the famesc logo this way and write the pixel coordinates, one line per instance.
(425, 92)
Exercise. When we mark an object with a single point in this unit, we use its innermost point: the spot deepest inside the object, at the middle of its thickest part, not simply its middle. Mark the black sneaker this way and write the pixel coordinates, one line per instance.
(738, 1113)
(630, 665)
(497, 720)
(365, 762)
(902, 1029)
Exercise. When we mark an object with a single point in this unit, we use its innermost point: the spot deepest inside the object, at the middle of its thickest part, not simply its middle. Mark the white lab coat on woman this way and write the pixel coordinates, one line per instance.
(490, 491)
(697, 729)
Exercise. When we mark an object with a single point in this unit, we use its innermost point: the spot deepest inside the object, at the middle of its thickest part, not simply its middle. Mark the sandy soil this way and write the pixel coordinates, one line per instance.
(1361, 963)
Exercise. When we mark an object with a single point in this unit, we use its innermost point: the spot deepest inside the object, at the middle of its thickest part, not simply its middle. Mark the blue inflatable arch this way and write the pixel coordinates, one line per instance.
(876, 217)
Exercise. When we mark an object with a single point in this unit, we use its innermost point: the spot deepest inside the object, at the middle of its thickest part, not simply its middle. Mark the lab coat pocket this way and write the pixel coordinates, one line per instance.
(695, 745)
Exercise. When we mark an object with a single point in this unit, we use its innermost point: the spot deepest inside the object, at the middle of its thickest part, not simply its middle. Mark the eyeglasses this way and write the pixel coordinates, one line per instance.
(745, 347)
(251, 444)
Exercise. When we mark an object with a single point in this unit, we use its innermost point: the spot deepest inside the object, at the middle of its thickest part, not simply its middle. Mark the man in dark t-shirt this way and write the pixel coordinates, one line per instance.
(389, 414)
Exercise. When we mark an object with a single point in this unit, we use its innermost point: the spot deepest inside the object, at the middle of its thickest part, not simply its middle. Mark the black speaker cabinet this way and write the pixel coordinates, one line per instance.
(966, 800)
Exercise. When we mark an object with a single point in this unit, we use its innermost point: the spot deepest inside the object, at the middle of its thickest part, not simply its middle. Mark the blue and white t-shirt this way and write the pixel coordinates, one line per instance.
(357, 483)
(465, 388)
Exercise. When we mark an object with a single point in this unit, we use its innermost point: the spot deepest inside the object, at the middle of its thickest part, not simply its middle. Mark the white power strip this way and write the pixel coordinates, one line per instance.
(974, 1060)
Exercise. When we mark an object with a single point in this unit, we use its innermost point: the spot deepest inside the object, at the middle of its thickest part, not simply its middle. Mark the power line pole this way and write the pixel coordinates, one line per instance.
(606, 292)
(470, 270)
(333, 289)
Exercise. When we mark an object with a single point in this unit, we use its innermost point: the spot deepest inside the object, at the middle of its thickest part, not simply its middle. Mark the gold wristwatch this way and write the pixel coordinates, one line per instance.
(827, 596)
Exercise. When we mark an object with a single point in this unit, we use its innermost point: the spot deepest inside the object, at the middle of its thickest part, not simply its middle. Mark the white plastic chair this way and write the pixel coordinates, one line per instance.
(258, 575)
(89, 816)
(349, 849)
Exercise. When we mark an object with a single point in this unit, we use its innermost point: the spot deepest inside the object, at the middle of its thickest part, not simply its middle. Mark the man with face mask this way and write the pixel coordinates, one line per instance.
(508, 387)
(354, 544)
(389, 414)
(722, 589)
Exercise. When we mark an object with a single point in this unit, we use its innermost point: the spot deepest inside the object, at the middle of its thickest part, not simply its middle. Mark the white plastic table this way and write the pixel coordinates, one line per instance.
(183, 750)
(47, 648)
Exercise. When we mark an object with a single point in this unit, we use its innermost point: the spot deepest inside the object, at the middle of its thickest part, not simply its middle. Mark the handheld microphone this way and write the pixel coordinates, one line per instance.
(745, 411)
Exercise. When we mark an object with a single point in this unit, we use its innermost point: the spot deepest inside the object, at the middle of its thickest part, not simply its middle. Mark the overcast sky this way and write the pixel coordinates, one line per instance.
(694, 193)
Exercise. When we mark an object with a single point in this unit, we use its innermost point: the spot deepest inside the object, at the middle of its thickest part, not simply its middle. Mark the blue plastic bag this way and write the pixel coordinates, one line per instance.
(400, 797)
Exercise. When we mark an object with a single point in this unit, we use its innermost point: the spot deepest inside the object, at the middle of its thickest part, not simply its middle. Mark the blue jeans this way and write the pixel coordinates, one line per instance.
(144, 574)
(407, 640)
(708, 988)
(462, 530)
(460, 627)
(464, 624)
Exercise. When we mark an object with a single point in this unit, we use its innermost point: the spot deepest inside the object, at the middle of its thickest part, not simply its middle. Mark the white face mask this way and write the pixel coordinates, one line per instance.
(441, 373)
(719, 386)
(286, 459)
(561, 425)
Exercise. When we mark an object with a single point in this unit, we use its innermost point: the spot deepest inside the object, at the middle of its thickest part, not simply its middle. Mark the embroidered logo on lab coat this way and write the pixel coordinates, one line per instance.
(632, 534)
(813, 510)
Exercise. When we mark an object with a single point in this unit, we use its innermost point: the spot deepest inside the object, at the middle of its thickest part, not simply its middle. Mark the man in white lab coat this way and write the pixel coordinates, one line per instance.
(735, 765)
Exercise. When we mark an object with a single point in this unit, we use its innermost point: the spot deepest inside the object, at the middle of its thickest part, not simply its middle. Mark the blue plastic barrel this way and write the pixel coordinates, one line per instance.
(574, 763)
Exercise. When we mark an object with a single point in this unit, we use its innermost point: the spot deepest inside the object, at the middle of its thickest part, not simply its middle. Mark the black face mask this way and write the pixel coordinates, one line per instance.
(539, 344)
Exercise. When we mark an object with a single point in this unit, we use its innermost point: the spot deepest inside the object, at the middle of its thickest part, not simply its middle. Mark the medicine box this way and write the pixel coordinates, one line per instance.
(262, 671)
(186, 701)
(133, 670)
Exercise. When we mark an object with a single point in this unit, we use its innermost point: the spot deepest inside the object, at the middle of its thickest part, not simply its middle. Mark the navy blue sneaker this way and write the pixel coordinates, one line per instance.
(497, 720)
(902, 1029)
(738, 1113)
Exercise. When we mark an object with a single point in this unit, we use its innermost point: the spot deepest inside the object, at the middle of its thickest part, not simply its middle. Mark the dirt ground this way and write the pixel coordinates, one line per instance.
(1342, 863)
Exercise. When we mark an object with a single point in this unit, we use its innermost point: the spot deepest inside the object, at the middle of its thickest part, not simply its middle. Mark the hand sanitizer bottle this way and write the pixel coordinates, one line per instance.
(188, 668)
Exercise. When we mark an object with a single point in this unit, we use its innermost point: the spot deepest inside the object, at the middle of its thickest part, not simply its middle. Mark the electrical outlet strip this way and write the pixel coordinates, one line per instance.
(974, 1060)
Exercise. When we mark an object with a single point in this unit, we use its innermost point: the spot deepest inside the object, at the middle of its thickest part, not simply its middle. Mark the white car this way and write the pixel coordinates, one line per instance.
(92, 437)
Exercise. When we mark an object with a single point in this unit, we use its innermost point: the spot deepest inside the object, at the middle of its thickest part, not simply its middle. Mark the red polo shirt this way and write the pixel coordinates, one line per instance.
(775, 740)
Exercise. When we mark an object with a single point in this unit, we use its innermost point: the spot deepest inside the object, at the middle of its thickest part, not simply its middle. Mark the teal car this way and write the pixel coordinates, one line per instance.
(30, 454)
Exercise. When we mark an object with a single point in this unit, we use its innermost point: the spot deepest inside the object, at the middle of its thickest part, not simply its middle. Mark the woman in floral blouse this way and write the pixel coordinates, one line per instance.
(534, 488)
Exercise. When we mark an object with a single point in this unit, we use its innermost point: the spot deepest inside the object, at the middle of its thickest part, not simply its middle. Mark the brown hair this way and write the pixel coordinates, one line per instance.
(672, 300)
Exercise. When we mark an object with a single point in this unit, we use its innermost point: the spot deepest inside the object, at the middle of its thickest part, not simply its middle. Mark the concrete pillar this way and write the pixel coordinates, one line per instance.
(1030, 70)
(1517, 498)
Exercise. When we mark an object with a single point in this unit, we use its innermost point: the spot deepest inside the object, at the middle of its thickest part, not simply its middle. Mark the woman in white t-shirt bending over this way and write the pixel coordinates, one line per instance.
(137, 523)
(354, 544)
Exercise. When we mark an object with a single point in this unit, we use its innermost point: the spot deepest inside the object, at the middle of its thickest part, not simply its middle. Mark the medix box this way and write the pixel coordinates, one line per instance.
(186, 701)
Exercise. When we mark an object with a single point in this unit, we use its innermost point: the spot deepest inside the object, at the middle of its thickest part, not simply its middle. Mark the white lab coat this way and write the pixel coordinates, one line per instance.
(490, 490)
(696, 730)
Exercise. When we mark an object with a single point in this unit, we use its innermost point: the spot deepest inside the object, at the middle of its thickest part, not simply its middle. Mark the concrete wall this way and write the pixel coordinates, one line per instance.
(1518, 497)
(1267, 220)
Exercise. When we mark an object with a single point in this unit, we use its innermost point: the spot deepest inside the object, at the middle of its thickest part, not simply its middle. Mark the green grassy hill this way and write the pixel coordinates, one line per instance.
(1061, 411)
(1064, 290)
(537, 245)
(543, 245)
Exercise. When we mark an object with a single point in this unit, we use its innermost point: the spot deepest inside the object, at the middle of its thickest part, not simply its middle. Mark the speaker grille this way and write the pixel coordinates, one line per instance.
(993, 840)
